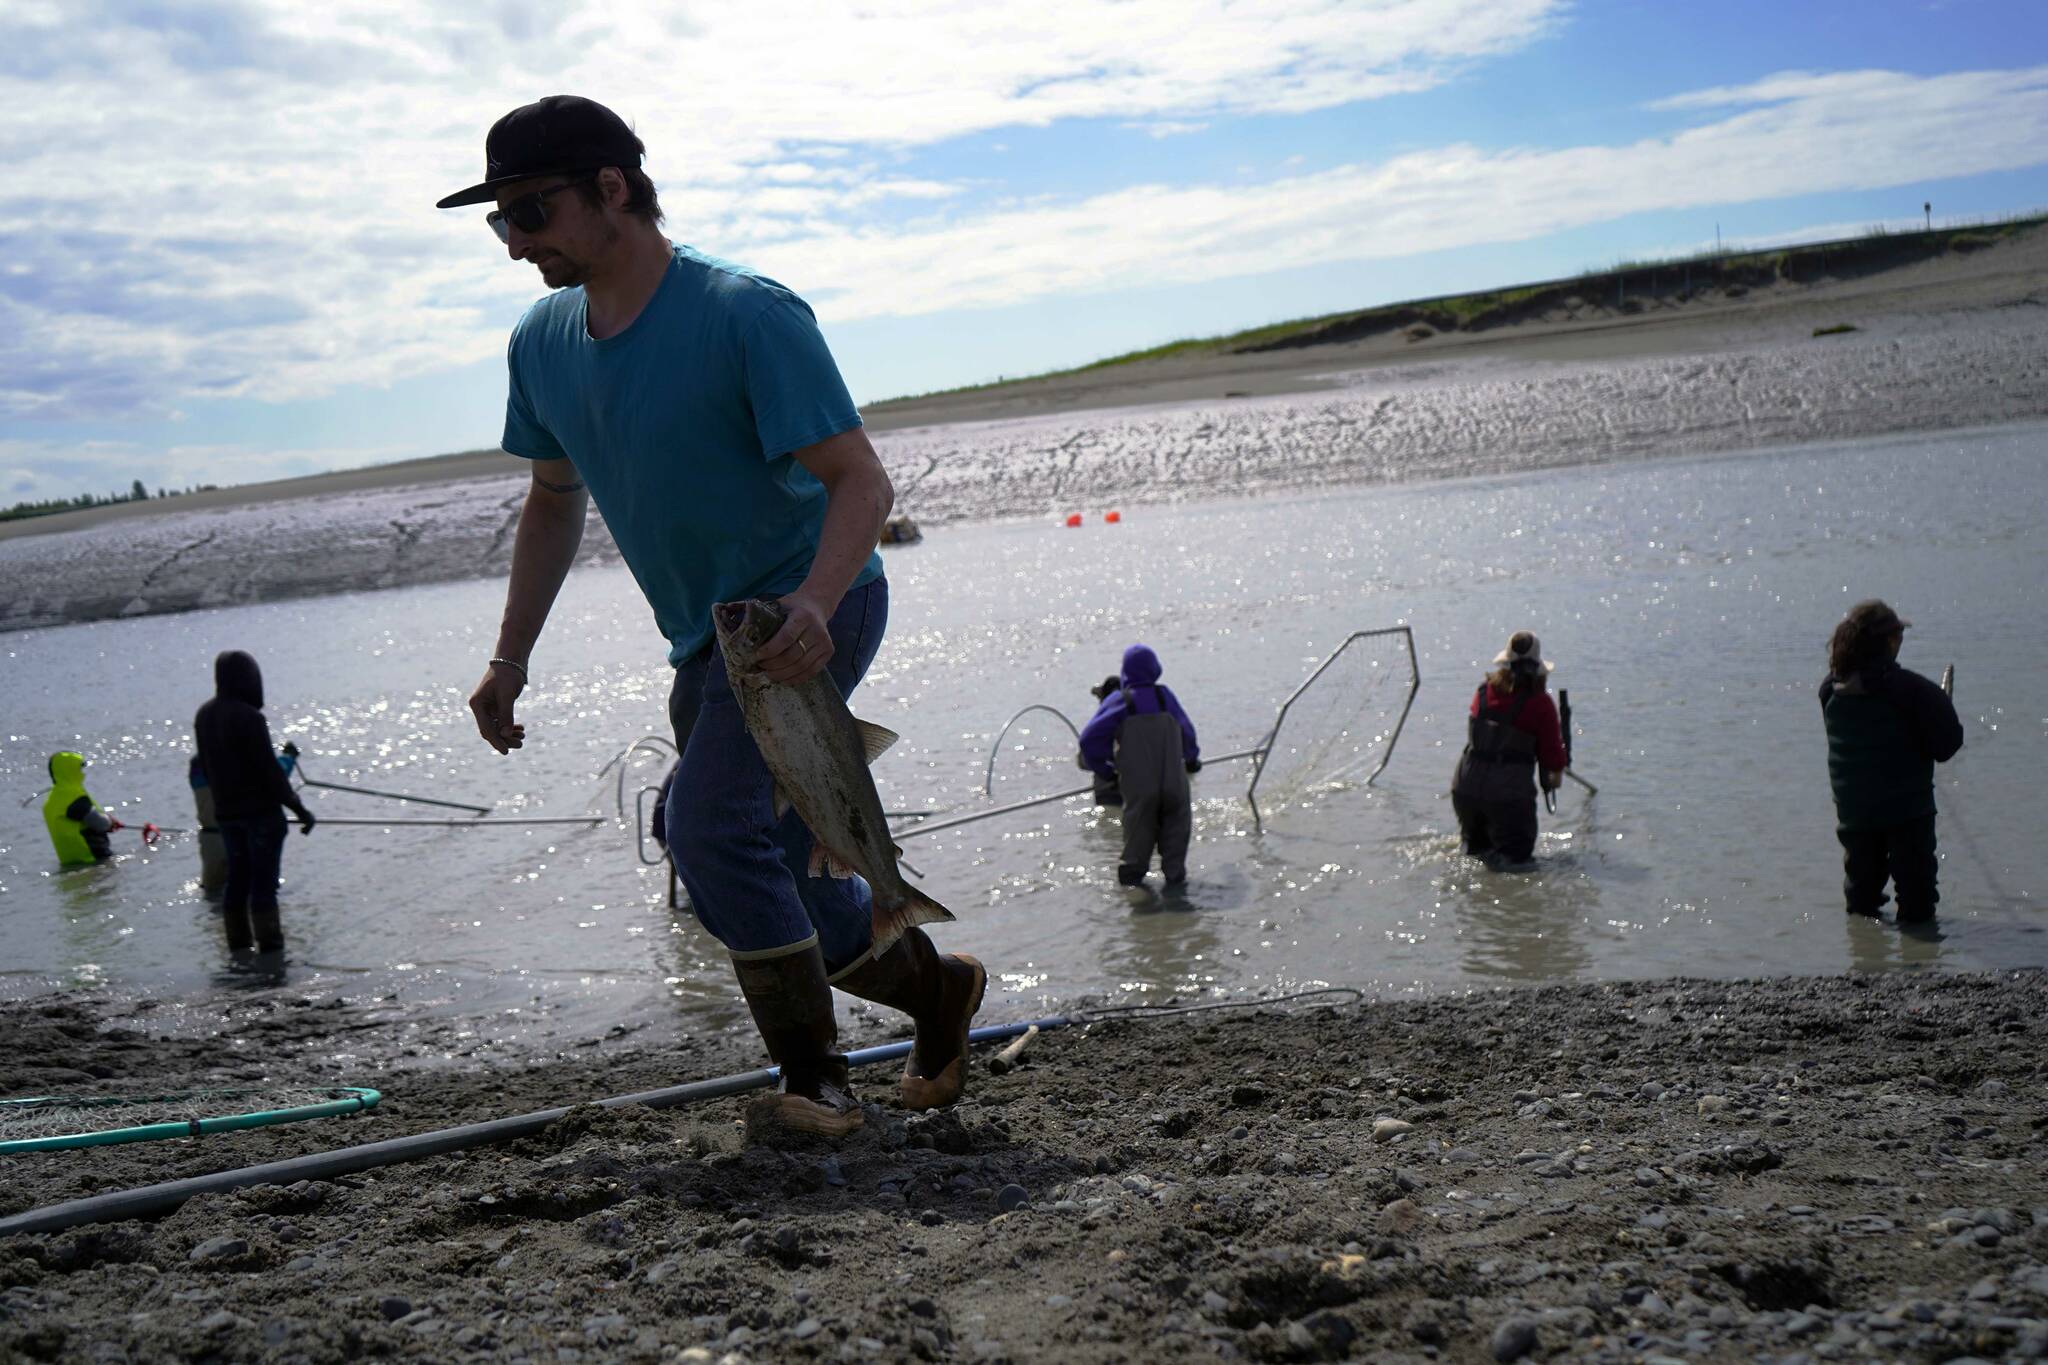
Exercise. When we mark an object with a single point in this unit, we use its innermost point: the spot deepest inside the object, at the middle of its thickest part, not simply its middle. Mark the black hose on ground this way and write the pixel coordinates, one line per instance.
(149, 1201)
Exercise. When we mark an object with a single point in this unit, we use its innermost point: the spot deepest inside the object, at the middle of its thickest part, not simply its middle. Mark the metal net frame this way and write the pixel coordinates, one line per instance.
(1326, 733)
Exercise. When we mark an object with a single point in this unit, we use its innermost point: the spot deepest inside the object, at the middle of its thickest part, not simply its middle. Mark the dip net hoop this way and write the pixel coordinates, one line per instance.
(1339, 728)
(1036, 763)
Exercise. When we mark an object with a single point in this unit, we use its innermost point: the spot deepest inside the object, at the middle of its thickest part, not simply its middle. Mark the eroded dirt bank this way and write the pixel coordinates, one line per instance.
(1517, 403)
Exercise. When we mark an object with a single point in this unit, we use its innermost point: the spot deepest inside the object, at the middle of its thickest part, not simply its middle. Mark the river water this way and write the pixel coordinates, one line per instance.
(1686, 602)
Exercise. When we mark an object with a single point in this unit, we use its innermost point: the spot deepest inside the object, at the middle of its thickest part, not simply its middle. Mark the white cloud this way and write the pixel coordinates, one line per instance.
(1776, 89)
(232, 198)
(1858, 134)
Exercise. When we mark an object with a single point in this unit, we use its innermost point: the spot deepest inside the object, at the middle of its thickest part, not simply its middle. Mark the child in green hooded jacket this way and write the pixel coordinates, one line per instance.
(78, 827)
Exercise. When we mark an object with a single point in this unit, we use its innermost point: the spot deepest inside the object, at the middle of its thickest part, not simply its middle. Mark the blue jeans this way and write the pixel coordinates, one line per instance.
(744, 869)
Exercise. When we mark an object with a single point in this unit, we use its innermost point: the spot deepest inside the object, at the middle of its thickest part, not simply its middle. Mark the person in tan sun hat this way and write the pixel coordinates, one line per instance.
(1512, 742)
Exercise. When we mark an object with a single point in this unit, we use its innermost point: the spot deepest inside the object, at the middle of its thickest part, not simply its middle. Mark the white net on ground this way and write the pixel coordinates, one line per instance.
(62, 1115)
(1339, 728)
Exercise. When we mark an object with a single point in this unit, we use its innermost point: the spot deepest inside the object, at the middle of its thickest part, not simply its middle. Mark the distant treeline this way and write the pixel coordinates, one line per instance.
(136, 493)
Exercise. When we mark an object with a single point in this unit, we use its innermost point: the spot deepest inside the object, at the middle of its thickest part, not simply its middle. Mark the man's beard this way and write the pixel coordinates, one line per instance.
(565, 272)
(561, 272)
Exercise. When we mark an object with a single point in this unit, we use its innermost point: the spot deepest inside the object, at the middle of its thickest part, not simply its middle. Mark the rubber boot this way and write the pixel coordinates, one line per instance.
(941, 994)
(792, 1006)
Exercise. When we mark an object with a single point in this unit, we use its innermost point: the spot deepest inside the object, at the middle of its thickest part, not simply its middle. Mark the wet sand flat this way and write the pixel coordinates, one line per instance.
(1845, 1168)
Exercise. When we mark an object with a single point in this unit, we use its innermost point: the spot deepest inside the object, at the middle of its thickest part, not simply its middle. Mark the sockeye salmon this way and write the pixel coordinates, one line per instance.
(819, 754)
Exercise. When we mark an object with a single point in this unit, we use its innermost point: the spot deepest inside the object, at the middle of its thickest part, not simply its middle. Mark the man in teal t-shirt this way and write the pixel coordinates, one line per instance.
(698, 404)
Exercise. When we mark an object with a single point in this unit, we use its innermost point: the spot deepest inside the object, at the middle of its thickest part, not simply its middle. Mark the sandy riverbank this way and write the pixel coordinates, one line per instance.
(1834, 1168)
(1954, 342)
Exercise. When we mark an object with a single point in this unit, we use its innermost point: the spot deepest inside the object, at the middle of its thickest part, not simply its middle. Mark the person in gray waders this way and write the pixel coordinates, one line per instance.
(1511, 738)
(213, 850)
(1887, 728)
(1142, 738)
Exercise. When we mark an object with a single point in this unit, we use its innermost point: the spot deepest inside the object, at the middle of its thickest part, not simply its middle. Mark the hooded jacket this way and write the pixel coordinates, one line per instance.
(234, 744)
(78, 827)
(1887, 728)
(1141, 694)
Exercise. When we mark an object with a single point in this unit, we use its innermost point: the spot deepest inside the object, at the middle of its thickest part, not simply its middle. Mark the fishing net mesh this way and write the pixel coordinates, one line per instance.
(63, 1115)
(1340, 727)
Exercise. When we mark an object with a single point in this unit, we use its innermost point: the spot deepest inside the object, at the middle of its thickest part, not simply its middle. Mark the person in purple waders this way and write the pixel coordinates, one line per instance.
(1141, 737)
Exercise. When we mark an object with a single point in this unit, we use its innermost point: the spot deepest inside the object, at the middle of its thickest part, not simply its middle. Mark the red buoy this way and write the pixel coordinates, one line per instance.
(1112, 517)
(1073, 519)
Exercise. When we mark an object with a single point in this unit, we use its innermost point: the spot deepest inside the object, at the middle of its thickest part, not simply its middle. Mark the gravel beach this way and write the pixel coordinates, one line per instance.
(1842, 1168)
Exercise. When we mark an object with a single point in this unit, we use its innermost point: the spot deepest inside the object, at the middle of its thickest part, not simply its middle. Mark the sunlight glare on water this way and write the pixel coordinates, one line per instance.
(1686, 603)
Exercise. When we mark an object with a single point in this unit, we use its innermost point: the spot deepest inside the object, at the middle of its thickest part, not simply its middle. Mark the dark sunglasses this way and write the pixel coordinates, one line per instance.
(529, 212)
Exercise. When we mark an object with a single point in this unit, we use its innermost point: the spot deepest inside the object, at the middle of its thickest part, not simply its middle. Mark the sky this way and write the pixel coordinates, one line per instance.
(220, 261)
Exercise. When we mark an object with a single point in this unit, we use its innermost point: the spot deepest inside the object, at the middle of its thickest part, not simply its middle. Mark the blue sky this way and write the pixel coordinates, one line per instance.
(219, 260)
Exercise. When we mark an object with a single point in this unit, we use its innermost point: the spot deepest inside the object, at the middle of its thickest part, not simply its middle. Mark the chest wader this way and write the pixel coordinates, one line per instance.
(1157, 816)
(1494, 788)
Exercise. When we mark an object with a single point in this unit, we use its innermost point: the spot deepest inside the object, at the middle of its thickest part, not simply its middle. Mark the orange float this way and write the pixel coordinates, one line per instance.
(1073, 519)
(1112, 517)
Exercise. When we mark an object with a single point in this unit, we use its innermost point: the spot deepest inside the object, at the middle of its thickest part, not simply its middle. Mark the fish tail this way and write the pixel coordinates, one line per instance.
(915, 908)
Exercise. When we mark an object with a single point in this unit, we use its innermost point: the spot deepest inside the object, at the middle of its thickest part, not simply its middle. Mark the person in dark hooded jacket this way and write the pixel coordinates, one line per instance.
(1887, 728)
(248, 787)
(1142, 738)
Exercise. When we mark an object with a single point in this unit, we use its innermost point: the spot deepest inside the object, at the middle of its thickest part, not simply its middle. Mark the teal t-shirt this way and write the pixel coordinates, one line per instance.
(683, 427)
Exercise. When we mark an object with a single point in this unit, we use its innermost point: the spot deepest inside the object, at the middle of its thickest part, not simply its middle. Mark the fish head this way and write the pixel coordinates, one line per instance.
(743, 627)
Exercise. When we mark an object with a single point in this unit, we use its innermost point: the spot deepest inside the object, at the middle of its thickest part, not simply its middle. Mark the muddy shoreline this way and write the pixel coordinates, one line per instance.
(1844, 1167)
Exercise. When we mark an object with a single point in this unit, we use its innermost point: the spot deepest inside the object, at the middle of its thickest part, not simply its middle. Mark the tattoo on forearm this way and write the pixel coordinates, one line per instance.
(573, 486)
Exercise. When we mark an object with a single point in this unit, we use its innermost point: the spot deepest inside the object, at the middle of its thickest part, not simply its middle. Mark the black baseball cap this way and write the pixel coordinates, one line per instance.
(551, 136)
